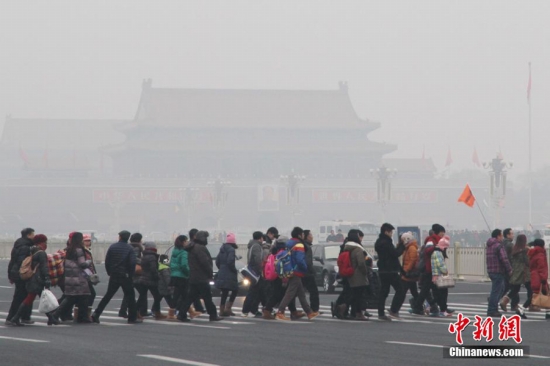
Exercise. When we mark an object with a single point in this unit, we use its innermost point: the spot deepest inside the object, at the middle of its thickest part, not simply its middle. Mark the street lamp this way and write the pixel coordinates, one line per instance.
(383, 177)
(498, 170)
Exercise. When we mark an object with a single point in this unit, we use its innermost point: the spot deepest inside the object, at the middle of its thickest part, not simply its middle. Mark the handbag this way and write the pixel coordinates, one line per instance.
(138, 271)
(541, 300)
(48, 302)
(445, 282)
(252, 276)
(90, 276)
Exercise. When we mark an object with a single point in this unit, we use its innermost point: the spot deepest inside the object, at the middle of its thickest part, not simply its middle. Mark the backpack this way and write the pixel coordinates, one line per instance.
(26, 271)
(345, 269)
(283, 264)
(270, 273)
(421, 264)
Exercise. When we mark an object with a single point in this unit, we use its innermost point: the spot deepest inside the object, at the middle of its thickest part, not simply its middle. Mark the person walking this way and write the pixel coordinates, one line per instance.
(136, 242)
(148, 281)
(410, 274)
(538, 265)
(255, 263)
(37, 283)
(165, 290)
(92, 270)
(77, 290)
(197, 304)
(358, 281)
(308, 281)
(521, 275)
(440, 269)
(508, 243)
(179, 272)
(388, 270)
(200, 275)
(120, 264)
(227, 279)
(21, 250)
(498, 267)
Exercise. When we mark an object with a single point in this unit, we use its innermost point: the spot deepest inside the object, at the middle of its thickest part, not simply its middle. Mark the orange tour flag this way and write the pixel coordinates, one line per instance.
(467, 196)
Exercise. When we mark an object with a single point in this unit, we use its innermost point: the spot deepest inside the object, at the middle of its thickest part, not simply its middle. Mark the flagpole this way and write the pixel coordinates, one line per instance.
(530, 157)
(486, 223)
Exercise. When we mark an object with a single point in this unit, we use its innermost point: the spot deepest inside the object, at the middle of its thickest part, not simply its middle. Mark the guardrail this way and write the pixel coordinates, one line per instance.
(462, 261)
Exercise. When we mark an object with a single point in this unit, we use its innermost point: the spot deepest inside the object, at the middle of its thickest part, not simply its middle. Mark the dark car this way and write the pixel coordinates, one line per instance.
(324, 265)
(214, 250)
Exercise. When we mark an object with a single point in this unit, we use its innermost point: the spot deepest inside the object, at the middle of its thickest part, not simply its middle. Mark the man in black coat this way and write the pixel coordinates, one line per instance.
(200, 274)
(120, 263)
(388, 271)
(21, 250)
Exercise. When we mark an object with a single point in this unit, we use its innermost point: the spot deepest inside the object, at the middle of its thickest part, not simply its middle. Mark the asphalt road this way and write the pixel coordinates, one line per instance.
(245, 341)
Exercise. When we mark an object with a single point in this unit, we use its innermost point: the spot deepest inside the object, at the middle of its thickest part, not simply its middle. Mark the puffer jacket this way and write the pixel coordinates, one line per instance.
(179, 264)
(227, 277)
(164, 281)
(200, 263)
(21, 250)
(150, 269)
(520, 268)
(297, 256)
(538, 266)
(76, 284)
(357, 257)
(138, 251)
(255, 256)
(41, 278)
(309, 259)
(439, 268)
(410, 260)
(388, 255)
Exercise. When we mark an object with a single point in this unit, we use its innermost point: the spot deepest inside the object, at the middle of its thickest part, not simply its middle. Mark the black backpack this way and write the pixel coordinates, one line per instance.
(421, 265)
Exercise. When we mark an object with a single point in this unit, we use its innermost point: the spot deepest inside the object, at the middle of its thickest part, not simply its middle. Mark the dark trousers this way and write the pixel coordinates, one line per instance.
(124, 305)
(19, 295)
(426, 287)
(346, 295)
(116, 282)
(358, 303)
(387, 280)
(514, 294)
(196, 291)
(80, 301)
(407, 286)
(92, 296)
(181, 287)
(440, 296)
(311, 287)
(277, 294)
(142, 299)
(497, 290)
(255, 296)
(225, 294)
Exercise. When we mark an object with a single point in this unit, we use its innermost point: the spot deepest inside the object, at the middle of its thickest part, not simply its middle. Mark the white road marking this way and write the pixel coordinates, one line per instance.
(416, 344)
(177, 360)
(6, 287)
(25, 340)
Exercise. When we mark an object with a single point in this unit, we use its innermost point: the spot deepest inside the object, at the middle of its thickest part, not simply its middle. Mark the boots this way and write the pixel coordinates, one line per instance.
(193, 314)
(228, 310)
(360, 316)
(171, 314)
(266, 314)
(223, 311)
(281, 316)
(504, 303)
(295, 315)
(51, 319)
(16, 319)
(159, 315)
(341, 311)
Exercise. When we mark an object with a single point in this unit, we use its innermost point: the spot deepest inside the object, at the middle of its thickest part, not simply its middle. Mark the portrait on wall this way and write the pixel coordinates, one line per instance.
(268, 198)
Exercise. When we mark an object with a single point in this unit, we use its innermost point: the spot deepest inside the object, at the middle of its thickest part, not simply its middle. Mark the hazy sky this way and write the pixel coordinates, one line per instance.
(435, 73)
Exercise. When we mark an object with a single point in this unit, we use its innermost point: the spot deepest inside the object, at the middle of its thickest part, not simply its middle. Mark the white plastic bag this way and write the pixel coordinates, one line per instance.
(48, 302)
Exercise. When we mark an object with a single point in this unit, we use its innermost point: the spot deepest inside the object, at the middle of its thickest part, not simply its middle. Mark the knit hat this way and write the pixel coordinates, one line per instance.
(230, 239)
(407, 237)
(444, 242)
(150, 245)
(87, 237)
(40, 238)
(538, 243)
(202, 237)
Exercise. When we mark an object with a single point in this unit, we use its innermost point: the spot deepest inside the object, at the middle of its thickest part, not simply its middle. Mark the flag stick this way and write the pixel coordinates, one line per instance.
(486, 223)
(530, 156)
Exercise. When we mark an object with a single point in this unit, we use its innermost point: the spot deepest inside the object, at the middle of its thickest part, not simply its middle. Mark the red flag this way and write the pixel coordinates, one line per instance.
(449, 160)
(23, 155)
(475, 158)
(467, 197)
(529, 86)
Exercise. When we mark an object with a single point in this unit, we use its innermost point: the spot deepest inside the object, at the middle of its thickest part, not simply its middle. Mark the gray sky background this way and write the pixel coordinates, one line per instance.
(444, 74)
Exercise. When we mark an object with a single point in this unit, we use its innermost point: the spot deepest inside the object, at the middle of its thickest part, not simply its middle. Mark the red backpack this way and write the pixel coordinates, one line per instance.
(345, 269)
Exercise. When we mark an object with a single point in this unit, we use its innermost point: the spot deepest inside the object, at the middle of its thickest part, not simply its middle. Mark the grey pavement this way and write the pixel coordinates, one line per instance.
(248, 341)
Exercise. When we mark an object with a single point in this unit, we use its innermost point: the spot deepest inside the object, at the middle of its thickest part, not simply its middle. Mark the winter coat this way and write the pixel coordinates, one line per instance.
(90, 257)
(21, 250)
(179, 264)
(538, 266)
(388, 255)
(438, 264)
(429, 245)
(138, 251)
(255, 256)
(297, 256)
(496, 258)
(76, 284)
(120, 260)
(41, 277)
(227, 277)
(357, 258)
(410, 260)
(150, 268)
(508, 246)
(200, 263)
(309, 259)
(520, 268)
(164, 281)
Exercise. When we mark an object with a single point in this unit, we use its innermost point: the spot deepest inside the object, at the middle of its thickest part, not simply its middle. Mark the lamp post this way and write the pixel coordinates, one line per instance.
(292, 182)
(188, 200)
(220, 197)
(383, 177)
(498, 170)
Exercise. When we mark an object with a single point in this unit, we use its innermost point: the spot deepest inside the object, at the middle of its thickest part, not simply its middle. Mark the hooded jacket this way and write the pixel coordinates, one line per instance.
(227, 277)
(200, 261)
(255, 256)
(388, 255)
(538, 266)
(520, 268)
(21, 250)
(496, 258)
(179, 264)
(410, 260)
(149, 266)
(41, 277)
(357, 257)
(298, 256)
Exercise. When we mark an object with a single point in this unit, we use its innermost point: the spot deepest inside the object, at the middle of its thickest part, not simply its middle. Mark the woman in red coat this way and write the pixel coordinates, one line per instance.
(538, 265)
